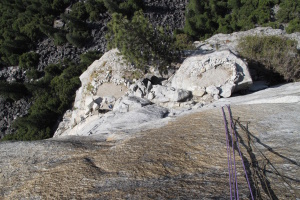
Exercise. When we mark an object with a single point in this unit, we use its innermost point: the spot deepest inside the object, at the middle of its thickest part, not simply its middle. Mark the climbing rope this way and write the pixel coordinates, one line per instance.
(228, 153)
(233, 180)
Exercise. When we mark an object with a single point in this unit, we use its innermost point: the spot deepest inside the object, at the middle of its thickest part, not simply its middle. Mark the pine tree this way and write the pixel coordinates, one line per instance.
(139, 42)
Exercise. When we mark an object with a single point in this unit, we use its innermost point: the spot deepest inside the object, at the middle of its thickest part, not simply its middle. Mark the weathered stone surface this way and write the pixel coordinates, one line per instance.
(227, 90)
(130, 103)
(164, 94)
(186, 158)
(126, 119)
(213, 69)
(213, 90)
(200, 91)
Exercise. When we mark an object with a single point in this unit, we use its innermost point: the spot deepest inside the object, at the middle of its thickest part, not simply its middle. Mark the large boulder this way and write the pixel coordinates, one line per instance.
(218, 69)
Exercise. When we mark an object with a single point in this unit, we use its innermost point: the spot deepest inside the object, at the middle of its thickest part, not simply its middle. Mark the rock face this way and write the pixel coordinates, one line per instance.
(109, 69)
(186, 158)
(220, 71)
(117, 125)
(130, 103)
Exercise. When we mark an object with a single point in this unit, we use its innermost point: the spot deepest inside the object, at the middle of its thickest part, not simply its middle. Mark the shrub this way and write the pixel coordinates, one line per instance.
(276, 54)
(139, 42)
(294, 26)
(29, 60)
(89, 57)
(184, 42)
(60, 38)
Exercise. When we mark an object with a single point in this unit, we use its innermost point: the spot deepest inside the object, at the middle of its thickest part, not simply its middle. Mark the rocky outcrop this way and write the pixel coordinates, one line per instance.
(130, 103)
(12, 74)
(230, 41)
(217, 73)
(186, 158)
(108, 72)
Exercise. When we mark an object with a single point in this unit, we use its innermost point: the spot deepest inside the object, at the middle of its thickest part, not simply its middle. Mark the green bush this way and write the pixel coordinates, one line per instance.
(139, 42)
(29, 60)
(276, 54)
(60, 38)
(294, 26)
(14, 91)
(89, 57)
(52, 96)
(183, 42)
(78, 39)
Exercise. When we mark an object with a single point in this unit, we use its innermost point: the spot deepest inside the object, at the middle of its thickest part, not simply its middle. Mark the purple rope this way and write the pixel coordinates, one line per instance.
(232, 125)
(228, 153)
(232, 145)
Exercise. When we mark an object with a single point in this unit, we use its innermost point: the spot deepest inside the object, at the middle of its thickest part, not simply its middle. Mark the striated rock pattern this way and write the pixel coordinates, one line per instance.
(186, 159)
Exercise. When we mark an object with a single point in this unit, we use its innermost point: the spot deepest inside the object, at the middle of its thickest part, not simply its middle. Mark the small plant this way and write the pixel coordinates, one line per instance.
(89, 87)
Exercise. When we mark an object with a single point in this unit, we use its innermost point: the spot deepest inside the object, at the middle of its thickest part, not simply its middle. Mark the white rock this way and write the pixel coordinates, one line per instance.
(87, 111)
(213, 90)
(95, 107)
(165, 94)
(216, 97)
(149, 87)
(139, 93)
(227, 90)
(133, 87)
(109, 99)
(89, 101)
(219, 68)
(150, 96)
(130, 103)
(199, 91)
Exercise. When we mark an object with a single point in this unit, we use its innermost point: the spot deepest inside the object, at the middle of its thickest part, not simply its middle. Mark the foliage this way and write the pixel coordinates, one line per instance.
(52, 96)
(89, 9)
(89, 57)
(276, 54)
(29, 60)
(14, 91)
(294, 26)
(208, 17)
(183, 42)
(139, 42)
(78, 39)
(289, 10)
(23, 23)
(127, 8)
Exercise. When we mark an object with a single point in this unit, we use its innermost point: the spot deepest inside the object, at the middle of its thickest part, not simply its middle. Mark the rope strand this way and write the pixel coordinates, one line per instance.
(237, 144)
(228, 153)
